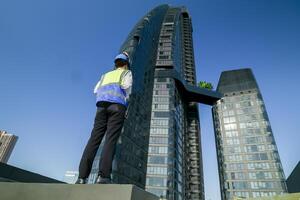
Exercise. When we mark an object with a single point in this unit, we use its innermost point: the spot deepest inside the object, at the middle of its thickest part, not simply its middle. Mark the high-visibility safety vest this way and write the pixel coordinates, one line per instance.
(110, 89)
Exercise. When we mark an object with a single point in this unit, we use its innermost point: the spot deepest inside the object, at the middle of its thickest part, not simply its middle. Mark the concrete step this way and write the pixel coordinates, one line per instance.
(53, 191)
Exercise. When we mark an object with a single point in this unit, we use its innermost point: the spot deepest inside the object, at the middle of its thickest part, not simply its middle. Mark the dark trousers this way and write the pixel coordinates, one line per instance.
(108, 121)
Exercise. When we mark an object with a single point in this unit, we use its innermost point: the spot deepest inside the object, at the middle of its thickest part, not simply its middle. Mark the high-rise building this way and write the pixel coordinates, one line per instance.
(248, 159)
(7, 144)
(71, 177)
(160, 148)
(293, 181)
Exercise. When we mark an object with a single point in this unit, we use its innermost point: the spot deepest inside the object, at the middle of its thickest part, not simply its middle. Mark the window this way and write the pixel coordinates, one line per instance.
(229, 119)
(159, 131)
(161, 80)
(232, 150)
(228, 113)
(249, 125)
(157, 160)
(252, 157)
(227, 106)
(161, 86)
(239, 112)
(257, 156)
(263, 185)
(160, 122)
(242, 194)
(167, 44)
(245, 132)
(161, 99)
(157, 170)
(156, 181)
(235, 166)
(232, 141)
(265, 123)
(260, 165)
(251, 140)
(165, 36)
(240, 185)
(252, 148)
(164, 57)
(158, 140)
(161, 114)
(263, 156)
(231, 133)
(158, 150)
(161, 106)
(252, 176)
(234, 157)
(230, 127)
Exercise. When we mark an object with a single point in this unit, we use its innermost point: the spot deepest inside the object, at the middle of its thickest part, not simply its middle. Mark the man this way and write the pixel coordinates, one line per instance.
(112, 92)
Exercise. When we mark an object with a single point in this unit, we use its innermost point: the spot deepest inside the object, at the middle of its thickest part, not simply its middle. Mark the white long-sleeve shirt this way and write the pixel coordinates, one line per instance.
(126, 83)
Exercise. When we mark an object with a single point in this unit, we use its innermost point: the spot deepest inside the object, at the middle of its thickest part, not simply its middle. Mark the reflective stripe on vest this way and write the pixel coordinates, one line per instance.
(110, 89)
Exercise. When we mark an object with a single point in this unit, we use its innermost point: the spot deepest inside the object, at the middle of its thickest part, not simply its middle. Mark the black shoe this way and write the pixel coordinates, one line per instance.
(81, 181)
(102, 180)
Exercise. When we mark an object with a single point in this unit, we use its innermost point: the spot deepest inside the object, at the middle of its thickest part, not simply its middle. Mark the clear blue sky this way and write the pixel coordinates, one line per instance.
(53, 52)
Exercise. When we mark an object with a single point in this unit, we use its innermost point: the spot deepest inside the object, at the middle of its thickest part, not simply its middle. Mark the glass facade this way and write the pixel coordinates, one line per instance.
(249, 163)
(159, 148)
(165, 152)
(174, 169)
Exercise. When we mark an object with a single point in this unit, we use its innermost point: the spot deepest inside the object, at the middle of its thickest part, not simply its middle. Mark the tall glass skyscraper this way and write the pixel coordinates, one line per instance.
(160, 148)
(249, 164)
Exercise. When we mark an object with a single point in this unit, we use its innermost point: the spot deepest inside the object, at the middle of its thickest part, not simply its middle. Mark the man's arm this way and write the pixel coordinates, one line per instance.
(98, 85)
(127, 83)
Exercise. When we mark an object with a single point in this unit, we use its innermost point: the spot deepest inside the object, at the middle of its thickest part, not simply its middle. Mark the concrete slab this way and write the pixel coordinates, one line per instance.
(53, 191)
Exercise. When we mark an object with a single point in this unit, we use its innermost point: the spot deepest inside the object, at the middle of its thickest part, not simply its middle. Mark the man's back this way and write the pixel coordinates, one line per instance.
(112, 98)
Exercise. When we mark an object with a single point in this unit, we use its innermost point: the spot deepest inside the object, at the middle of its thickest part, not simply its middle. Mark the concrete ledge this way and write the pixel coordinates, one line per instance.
(46, 191)
(10, 173)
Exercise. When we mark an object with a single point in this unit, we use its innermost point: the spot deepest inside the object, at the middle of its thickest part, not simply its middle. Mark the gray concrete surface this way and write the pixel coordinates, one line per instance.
(53, 191)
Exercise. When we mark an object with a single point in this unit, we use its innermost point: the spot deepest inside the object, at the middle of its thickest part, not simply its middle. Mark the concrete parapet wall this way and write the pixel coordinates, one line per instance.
(46, 191)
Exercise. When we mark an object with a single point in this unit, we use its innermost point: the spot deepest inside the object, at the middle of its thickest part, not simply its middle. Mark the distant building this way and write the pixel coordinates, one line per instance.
(7, 144)
(248, 159)
(293, 181)
(71, 177)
